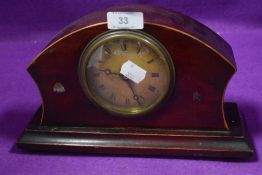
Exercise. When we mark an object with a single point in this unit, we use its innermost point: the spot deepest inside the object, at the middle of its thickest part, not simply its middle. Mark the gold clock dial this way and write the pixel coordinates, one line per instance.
(126, 72)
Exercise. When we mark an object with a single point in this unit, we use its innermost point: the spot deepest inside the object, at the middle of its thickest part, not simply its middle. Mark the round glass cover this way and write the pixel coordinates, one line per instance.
(127, 73)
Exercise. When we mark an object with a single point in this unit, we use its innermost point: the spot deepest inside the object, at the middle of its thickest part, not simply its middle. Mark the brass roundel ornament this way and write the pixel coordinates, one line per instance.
(127, 73)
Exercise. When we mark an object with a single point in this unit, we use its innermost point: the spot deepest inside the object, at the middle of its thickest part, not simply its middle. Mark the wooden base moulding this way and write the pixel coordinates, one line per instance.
(137, 141)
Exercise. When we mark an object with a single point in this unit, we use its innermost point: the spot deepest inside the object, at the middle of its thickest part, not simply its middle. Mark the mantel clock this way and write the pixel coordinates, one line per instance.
(136, 80)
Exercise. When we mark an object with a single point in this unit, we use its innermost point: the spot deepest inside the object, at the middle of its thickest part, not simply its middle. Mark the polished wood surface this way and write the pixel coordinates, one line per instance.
(204, 64)
(196, 102)
(137, 141)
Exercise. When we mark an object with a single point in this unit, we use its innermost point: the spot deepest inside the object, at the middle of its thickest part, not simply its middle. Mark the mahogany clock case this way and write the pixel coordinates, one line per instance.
(194, 121)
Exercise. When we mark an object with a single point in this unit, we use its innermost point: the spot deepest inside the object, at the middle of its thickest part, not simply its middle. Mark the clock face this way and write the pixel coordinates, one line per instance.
(127, 73)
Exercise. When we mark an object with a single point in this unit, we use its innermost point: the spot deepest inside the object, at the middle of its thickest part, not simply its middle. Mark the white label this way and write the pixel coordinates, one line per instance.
(133, 72)
(125, 20)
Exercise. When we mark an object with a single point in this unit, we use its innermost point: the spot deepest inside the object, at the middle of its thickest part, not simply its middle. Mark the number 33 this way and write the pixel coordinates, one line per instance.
(123, 20)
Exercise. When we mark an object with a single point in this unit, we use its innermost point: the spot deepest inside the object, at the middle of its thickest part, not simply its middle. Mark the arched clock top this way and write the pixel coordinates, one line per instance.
(160, 17)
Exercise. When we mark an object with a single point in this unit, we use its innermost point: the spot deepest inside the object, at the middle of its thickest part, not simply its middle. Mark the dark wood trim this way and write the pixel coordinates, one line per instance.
(140, 141)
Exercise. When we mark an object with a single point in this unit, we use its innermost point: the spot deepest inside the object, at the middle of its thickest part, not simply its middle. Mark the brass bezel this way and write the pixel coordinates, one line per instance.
(134, 34)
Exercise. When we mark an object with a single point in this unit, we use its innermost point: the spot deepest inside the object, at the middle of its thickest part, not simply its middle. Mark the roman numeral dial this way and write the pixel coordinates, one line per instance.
(127, 72)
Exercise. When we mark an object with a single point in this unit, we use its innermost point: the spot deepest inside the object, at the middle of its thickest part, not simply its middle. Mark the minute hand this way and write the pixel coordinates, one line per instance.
(136, 97)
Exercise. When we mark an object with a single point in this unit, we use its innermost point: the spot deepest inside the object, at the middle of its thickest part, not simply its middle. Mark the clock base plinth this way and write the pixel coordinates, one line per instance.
(231, 143)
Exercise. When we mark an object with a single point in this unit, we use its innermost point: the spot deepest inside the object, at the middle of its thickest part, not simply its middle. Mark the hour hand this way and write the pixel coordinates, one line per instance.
(108, 72)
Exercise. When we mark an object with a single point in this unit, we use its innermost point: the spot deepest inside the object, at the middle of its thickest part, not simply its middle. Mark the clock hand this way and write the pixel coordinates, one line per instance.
(136, 97)
(108, 72)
